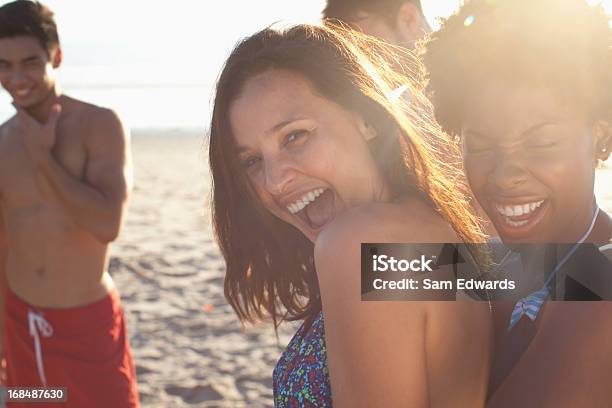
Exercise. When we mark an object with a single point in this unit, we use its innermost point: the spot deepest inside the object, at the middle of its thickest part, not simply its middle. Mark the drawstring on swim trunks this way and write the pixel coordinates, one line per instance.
(39, 326)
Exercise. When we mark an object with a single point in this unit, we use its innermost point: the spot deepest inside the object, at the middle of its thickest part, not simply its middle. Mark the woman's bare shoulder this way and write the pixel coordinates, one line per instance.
(409, 328)
(337, 252)
(409, 221)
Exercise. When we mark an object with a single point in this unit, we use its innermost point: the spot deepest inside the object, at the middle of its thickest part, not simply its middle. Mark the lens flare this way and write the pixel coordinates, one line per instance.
(468, 21)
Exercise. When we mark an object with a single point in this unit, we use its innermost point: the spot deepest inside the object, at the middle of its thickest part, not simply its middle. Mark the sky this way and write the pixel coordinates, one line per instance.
(145, 57)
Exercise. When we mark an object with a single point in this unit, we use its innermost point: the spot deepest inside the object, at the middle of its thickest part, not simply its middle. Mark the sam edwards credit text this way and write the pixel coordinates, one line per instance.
(434, 284)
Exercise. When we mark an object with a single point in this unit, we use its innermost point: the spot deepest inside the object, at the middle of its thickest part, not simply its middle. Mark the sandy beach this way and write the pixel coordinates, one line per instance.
(190, 350)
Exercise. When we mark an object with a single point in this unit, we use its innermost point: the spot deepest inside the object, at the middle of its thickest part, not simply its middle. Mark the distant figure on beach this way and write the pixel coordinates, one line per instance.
(399, 22)
(65, 177)
(310, 157)
(530, 96)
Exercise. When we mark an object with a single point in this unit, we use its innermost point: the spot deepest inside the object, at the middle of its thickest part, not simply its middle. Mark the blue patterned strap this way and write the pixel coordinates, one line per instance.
(529, 306)
(532, 304)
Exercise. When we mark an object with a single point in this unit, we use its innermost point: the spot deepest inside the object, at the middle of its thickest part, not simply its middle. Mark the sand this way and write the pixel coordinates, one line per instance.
(189, 348)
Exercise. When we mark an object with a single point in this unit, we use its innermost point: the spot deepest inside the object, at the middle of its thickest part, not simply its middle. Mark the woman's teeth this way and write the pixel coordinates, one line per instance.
(306, 199)
(22, 92)
(520, 210)
(517, 210)
(516, 223)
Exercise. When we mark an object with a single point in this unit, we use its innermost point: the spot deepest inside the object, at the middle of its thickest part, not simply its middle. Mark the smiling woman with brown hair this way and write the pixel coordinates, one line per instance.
(310, 156)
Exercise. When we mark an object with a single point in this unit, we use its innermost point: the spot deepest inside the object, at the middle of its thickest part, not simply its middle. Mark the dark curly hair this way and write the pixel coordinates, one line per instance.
(564, 46)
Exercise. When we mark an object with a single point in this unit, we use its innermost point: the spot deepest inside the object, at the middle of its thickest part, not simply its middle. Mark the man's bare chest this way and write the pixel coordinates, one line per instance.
(21, 178)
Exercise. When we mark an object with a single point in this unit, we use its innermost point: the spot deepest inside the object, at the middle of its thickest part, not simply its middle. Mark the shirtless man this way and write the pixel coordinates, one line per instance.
(65, 178)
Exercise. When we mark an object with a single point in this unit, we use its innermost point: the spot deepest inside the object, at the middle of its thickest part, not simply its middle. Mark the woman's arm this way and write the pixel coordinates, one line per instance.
(408, 354)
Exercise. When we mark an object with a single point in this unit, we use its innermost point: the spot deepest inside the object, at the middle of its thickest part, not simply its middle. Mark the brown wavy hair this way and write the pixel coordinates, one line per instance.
(270, 265)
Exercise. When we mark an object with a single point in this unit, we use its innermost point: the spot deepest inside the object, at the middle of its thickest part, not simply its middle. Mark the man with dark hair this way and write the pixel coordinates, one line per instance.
(530, 96)
(65, 177)
(399, 22)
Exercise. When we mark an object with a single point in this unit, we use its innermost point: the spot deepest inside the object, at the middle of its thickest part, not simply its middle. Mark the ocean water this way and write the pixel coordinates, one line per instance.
(144, 108)
(144, 96)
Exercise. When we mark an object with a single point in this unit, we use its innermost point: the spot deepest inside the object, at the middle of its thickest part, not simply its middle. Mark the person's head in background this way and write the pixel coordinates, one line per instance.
(400, 22)
(530, 95)
(303, 129)
(29, 52)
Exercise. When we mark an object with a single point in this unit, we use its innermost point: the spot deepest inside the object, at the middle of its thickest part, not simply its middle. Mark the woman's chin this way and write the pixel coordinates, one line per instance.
(312, 233)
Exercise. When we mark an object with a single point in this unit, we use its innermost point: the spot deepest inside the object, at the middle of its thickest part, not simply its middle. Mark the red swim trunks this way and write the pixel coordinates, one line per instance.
(84, 349)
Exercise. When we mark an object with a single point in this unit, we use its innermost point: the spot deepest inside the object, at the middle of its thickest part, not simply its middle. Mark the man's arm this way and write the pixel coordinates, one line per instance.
(97, 203)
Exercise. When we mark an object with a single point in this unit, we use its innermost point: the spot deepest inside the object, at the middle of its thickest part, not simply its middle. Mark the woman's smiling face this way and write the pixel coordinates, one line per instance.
(307, 158)
(530, 161)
